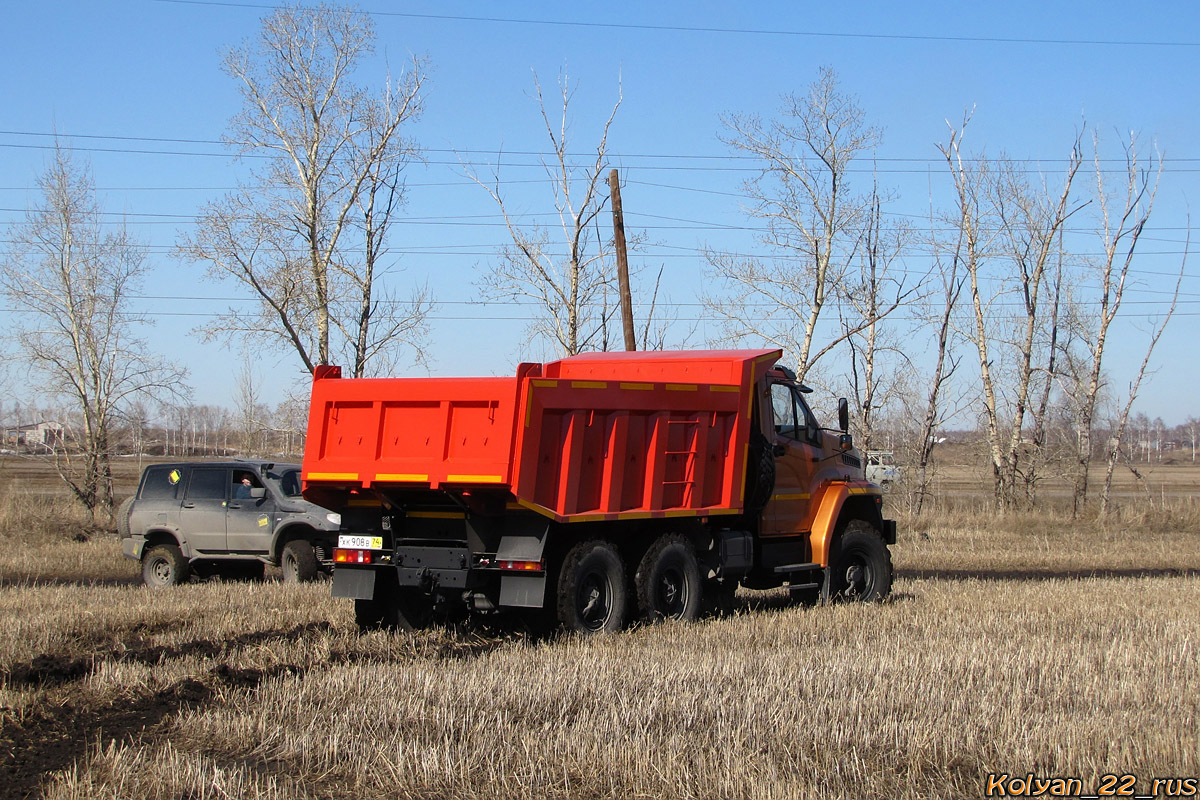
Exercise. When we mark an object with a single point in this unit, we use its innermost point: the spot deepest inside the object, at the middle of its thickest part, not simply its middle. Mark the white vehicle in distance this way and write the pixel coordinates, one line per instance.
(881, 469)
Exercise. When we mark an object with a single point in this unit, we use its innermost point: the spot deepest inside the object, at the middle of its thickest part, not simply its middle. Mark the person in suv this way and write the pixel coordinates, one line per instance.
(225, 518)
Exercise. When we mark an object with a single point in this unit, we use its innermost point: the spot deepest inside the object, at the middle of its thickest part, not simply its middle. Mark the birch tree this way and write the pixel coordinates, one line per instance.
(74, 282)
(566, 271)
(1008, 239)
(814, 222)
(1123, 212)
(307, 233)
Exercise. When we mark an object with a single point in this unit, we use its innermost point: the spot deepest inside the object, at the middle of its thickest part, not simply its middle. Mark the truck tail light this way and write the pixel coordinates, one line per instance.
(345, 556)
(521, 566)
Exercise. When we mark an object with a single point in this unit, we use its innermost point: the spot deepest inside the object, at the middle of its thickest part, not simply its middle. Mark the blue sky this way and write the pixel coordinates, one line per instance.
(149, 69)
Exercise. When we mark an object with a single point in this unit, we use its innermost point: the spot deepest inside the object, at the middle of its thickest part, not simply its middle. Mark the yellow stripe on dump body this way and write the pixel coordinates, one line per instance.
(402, 477)
(332, 476)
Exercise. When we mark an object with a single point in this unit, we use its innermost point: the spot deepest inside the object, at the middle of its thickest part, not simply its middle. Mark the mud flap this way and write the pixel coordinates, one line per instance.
(354, 584)
(517, 590)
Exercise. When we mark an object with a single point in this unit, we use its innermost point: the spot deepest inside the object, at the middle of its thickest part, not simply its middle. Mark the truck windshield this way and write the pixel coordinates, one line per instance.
(285, 481)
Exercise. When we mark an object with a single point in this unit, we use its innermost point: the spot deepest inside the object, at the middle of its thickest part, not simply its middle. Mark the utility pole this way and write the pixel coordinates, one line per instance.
(614, 187)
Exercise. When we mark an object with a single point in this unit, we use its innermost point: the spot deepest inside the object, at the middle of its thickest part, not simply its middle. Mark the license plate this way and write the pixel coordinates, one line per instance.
(361, 542)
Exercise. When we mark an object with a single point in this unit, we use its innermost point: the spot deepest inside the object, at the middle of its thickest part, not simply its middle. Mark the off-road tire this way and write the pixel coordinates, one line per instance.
(860, 565)
(668, 581)
(122, 517)
(298, 562)
(164, 565)
(593, 589)
(760, 473)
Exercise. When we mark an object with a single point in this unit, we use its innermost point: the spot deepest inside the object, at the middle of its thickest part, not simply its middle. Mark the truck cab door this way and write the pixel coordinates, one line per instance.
(202, 512)
(798, 451)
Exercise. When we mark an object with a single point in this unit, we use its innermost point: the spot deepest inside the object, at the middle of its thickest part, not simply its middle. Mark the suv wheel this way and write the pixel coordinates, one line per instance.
(298, 561)
(164, 565)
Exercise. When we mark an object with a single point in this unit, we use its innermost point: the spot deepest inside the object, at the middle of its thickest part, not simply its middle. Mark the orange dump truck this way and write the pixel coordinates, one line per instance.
(590, 491)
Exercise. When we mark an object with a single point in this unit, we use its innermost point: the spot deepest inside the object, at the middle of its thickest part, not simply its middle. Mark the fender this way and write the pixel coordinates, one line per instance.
(834, 498)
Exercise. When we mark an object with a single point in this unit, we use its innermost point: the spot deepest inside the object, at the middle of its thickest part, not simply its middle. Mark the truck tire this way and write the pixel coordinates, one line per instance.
(760, 472)
(164, 565)
(298, 562)
(593, 589)
(860, 565)
(668, 581)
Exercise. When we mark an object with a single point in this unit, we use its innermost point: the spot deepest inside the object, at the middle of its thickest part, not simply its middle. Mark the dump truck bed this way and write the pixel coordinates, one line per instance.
(597, 436)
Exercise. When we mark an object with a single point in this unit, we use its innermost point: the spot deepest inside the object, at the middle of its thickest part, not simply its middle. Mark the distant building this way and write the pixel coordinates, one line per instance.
(38, 435)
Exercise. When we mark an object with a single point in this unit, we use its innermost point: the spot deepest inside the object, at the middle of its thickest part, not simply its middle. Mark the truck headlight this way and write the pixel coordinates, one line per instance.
(334, 519)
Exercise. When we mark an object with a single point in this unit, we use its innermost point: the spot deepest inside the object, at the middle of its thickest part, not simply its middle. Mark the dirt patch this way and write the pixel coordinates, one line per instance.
(55, 735)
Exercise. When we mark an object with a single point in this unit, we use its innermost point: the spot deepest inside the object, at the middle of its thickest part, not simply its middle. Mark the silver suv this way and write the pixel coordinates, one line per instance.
(225, 518)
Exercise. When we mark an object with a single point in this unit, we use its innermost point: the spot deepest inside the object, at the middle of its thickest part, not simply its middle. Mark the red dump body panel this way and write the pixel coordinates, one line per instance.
(598, 436)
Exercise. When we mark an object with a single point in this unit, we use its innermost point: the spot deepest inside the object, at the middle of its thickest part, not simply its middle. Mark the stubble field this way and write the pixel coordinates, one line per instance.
(1022, 644)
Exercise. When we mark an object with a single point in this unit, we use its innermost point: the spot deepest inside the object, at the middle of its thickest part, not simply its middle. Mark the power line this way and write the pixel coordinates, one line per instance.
(502, 152)
(737, 31)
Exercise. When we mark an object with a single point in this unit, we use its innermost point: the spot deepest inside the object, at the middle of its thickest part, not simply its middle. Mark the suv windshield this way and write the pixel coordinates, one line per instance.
(285, 481)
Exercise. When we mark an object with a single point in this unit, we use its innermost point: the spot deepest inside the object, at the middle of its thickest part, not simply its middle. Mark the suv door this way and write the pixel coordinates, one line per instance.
(202, 513)
(798, 448)
(250, 520)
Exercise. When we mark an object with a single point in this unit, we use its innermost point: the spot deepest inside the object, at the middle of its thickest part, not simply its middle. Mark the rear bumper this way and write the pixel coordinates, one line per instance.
(132, 548)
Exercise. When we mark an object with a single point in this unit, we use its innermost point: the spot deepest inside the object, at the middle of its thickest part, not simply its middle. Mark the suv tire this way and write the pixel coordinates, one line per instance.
(298, 561)
(164, 565)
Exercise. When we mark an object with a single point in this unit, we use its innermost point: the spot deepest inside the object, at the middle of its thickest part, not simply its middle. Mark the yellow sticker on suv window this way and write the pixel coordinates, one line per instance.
(173, 476)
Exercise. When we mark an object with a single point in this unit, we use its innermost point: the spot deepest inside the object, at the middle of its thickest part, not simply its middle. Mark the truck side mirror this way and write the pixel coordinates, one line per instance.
(843, 414)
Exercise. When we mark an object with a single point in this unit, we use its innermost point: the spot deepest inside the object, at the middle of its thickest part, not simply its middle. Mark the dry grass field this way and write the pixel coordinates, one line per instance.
(1019, 644)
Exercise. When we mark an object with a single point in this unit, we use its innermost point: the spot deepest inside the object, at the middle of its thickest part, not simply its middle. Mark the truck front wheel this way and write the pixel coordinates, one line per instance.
(593, 590)
(860, 565)
(668, 581)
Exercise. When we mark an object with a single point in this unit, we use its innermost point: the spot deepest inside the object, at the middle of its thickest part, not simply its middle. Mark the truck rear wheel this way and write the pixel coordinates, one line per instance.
(593, 590)
(298, 561)
(860, 565)
(668, 581)
(164, 565)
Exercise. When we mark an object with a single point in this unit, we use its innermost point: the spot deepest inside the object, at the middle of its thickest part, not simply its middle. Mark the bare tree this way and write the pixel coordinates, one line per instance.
(1008, 239)
(1118, 427)
(814, 223)
(942, 306)
(872, 289)
(75, 282)
(306, 233)
(1123, 215)
(565, 275)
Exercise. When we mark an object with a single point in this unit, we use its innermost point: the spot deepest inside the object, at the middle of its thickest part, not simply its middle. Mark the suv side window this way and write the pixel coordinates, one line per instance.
(208, 484)
(161, 483)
